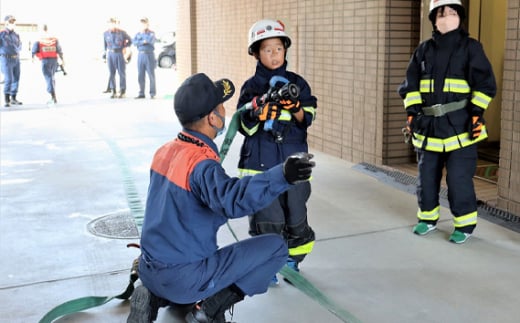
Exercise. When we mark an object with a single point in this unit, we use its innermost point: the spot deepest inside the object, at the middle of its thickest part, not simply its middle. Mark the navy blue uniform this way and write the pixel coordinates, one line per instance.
(263, 149)
(144, 41)
(115, 41)
(10, 46)
(190, 196)
(448, 68)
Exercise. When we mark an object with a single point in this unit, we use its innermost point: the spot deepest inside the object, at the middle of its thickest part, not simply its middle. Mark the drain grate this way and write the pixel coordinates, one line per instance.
(408, 183)
(119, 225)
(405, 181)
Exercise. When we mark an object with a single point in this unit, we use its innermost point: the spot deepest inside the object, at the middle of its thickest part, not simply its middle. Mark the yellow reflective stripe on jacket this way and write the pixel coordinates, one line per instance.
(249, 131)
(465, 220)
(285, 115)
(412, 98)
(447, 144)
(426, 86)
(247, 172)
(456, 86)
(301, 250)
(450, 85)
(311, 110)
(480, 99)
(432, 215)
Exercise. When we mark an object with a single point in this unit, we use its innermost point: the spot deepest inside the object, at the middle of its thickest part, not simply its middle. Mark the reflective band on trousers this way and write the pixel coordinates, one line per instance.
(465, 220)
(432, 215)
(302, 250)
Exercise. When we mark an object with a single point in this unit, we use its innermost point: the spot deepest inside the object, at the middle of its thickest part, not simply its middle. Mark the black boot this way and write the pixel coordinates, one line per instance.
(53, 97)
(144, 306)
(7, 100)
(213, 308)
(113, 96)
(14, 101)
(122, 94)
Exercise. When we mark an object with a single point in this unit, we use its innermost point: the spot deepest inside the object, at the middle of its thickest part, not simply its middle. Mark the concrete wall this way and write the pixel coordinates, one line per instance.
(354, 54)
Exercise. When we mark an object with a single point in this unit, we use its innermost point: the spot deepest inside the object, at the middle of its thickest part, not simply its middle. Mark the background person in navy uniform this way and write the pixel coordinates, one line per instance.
(48, 49)
(144, 41)
(10, 46)
(115, 41)
(189, 198)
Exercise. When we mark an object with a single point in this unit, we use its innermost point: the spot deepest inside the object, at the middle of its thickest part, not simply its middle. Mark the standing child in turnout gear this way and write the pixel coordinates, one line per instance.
(190, 196)
(116, 41)
(449, 84)
(48, 49)
(273, 131)
(10, 46)
(145, 43)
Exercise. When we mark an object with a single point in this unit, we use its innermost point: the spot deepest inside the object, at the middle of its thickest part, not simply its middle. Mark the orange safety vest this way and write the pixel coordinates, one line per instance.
(47, 48)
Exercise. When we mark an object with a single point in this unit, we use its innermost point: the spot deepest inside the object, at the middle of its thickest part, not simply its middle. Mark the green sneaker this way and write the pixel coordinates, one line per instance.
(459, 237)
(423, 228)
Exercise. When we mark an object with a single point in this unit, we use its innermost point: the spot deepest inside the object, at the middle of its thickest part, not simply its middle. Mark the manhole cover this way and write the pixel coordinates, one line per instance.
(120, 225)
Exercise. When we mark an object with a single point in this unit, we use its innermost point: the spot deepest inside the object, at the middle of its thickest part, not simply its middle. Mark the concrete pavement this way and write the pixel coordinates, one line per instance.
(66, 167)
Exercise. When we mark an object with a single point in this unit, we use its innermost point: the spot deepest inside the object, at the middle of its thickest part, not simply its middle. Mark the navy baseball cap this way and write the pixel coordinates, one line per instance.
(197, 96)
(9, 18)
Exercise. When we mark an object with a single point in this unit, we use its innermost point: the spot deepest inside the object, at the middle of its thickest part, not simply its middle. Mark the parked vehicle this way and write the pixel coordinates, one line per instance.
(167, 56)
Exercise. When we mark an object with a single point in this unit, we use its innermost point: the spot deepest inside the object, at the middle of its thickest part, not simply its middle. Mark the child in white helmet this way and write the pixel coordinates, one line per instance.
(274, 129)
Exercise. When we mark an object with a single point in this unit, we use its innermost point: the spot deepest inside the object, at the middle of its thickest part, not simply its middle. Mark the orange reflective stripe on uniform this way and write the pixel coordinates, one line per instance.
(465, 220)
(301, 250)
(480, 99)
(432, 215)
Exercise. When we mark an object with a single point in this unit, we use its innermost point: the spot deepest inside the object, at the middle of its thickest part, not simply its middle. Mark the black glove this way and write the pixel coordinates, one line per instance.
(475, 126)
(297, 168)
(292, 106)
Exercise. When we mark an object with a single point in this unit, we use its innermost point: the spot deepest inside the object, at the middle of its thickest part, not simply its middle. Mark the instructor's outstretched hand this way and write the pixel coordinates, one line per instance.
(297, 168)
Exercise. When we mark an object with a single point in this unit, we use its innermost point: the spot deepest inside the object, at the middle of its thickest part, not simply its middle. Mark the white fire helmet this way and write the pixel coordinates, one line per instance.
(434, 4)
(265, 29)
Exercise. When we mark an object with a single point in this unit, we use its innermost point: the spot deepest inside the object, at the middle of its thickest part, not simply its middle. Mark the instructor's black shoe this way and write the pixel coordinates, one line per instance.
(198, 315)
(139, 97)
(14, 101)
(144, 306)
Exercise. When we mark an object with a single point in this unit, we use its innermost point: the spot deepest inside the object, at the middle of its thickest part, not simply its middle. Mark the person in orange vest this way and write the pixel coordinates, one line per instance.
(48, 50)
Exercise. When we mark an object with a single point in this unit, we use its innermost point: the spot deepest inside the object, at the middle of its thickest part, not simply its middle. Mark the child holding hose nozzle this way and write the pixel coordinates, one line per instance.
(279, 109)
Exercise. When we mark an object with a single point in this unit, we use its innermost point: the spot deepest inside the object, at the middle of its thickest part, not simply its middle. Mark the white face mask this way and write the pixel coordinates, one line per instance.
(448, 22)
(10, 26)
